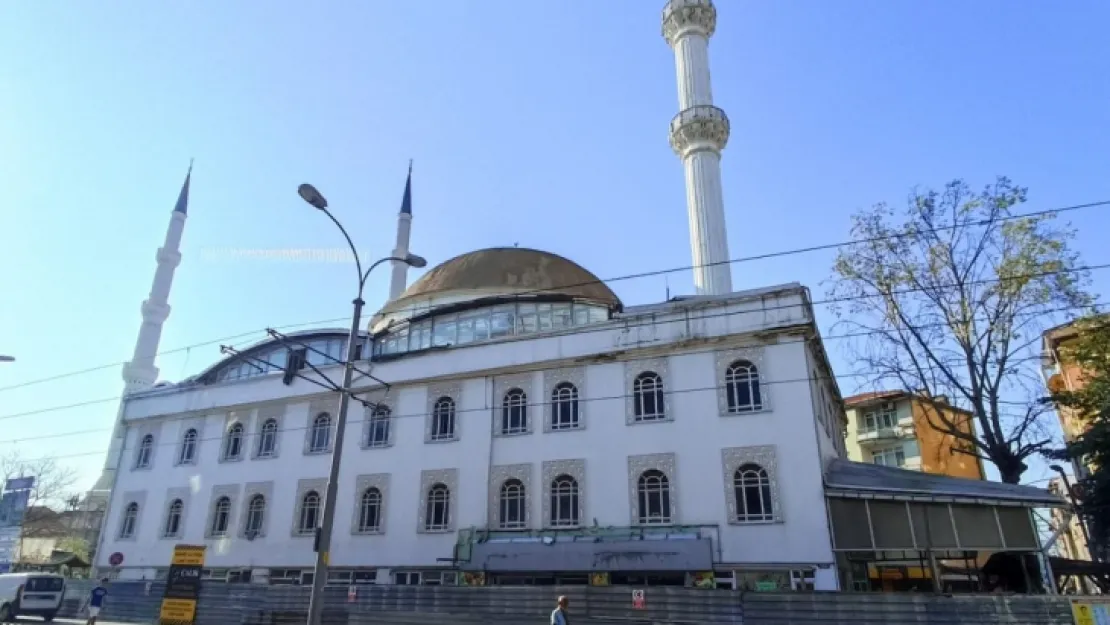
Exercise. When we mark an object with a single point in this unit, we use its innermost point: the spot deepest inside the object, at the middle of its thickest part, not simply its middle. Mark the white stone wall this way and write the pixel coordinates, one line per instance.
(696, 439)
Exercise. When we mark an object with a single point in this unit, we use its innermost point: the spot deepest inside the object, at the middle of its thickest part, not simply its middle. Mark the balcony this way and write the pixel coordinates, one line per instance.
(882, 435)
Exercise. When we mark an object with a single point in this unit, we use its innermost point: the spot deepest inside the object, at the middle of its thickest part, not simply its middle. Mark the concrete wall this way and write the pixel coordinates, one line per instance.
(422, 605)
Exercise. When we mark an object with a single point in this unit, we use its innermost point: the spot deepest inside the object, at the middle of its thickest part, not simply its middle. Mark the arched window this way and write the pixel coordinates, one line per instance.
(370, 511)
(647, 397)
(742, 387)
(654, 495)
(564, 501)
(753, 494)
(438, 513)
(514, 412)
(221, 517)
(256, 514)
(443, 419)
(233, 442)
(188, 454)
(564, 406)
(144, 453)
(173, 519)
(129, 521)
(267, 439)
(377, 432)
(310, 513)
(320, 436)
(512, 500)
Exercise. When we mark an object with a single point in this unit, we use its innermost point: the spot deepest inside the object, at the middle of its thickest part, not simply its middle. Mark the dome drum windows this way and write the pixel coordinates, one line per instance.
(564, 497)
(751, 485)
(439, 499)
(740, 385)
(510, 497)
(652, 488)
(371, 498)
(564, 402)
(646, 397)
(442, 423)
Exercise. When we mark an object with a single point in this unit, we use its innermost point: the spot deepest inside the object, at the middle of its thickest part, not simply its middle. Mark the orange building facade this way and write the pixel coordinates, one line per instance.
(893, 428)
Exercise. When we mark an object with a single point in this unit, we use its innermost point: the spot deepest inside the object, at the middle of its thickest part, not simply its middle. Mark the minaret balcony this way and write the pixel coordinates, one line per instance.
(701, 127)
(682, 17)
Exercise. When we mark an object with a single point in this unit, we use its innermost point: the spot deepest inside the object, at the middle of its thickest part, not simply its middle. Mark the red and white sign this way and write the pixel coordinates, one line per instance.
(352, 593)
(115, 559)
(638, 599)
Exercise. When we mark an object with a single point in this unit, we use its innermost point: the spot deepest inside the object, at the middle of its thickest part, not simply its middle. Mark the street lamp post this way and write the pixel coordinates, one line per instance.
(324, 531)
(1075, 506)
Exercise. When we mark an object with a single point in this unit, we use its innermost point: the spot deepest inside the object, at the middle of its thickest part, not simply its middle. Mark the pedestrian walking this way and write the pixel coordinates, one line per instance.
(559, 614)
(96, 601)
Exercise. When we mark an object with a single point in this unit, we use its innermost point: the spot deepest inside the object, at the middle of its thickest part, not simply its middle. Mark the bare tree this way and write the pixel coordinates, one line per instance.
(949, 300)
(52, 488)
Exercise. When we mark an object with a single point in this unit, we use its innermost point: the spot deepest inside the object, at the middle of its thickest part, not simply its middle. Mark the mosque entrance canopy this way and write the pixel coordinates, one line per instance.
(878, 508)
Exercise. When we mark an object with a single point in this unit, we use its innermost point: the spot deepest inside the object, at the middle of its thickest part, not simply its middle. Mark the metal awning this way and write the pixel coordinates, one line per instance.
(693, 554)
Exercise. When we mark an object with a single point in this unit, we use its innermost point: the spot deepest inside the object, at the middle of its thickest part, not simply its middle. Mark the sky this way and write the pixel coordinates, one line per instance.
(542, 124)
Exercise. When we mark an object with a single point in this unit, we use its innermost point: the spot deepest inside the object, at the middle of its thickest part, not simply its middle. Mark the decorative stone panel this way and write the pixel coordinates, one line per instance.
(682, 17)
(498, 476)
(389, 401)
(231, 491)
(634, 368)
(551, 379)
(130, 497)
(435, 392)
(429, 478)
(241, 417)
(265, 413)
(754, 355)
(553, 469)
(266, 489)
(763, 455)
(329, 405)
(363, 482)
(154, 430)
(502, 385)
(186, 425)
(636, 467)
(320, 485)
(172, 494)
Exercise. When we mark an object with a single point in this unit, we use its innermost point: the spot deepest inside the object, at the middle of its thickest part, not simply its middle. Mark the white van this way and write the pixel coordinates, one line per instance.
(30, 594)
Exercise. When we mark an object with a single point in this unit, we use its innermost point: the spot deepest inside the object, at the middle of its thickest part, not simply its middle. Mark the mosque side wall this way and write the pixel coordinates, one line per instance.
(692, 350)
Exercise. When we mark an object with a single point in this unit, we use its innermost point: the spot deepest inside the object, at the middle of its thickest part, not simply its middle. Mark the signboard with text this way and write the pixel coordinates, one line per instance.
(1090, 611)
(179, 602)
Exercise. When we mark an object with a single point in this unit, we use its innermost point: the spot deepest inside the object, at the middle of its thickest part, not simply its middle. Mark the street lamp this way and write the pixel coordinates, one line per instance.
(1075, 506)
(324, 531)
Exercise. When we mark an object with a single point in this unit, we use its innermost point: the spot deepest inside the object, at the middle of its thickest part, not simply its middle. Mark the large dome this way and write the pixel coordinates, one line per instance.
(506, 271)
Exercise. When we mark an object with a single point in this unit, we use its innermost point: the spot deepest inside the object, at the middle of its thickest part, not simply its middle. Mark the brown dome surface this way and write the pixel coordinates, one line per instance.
(509, 270)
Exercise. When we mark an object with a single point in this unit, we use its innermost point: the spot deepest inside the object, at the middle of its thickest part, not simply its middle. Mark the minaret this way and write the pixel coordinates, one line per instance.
(140, 373)
(698, 134)
(399, 280)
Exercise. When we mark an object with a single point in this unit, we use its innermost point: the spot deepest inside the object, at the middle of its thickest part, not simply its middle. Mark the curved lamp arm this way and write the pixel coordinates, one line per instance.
(358, 262)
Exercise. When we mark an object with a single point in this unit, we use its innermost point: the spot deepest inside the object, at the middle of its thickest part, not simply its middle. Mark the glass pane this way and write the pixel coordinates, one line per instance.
(444, 332)
(527, 324)
(481, 329)
(278, 359)
(501, 324)
(466, 331)
(598, 313)
(560, 315)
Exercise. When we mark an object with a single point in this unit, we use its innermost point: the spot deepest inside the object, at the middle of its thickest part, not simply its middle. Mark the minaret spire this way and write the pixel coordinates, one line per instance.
(141, 373)
(698, 134)
(399, 279)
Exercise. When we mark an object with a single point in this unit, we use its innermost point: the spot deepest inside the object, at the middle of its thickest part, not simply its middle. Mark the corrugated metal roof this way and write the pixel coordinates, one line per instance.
(878, 479)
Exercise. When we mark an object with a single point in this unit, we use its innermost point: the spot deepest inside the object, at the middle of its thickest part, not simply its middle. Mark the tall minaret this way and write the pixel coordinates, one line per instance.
(399, 280)
(698, 134)
(140, 373)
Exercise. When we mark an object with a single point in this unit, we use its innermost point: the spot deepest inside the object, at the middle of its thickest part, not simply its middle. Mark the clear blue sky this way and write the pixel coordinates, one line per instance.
(538, 123)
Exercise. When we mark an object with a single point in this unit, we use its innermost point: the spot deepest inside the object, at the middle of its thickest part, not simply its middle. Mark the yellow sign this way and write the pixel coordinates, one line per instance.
(1090, 611)
(188, 555)
(599, 579)
(178, 611)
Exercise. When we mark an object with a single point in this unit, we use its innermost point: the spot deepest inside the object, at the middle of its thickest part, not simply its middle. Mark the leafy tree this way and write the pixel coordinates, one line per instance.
(1090, 352)
(948, 299)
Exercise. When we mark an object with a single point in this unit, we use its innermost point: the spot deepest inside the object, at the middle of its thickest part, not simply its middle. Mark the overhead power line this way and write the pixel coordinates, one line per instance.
(633, 276)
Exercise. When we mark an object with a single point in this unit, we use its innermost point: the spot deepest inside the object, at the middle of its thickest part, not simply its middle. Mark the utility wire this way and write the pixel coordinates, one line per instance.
(634, 276)
(761, 310)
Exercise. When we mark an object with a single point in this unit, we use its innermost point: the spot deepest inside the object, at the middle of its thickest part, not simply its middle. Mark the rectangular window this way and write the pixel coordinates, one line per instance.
(581, 314)
(598, 314)
(466, 331)
(891, 457)
(502, 321)
(444, 332)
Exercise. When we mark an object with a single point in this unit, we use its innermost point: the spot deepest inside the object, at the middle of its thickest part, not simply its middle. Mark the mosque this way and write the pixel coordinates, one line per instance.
(523, 425)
